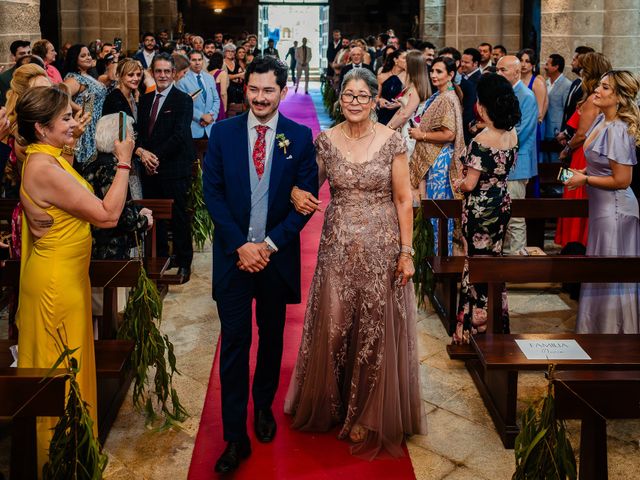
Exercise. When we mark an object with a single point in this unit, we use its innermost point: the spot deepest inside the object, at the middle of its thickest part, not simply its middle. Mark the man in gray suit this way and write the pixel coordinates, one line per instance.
(558, 87)
(303, 58)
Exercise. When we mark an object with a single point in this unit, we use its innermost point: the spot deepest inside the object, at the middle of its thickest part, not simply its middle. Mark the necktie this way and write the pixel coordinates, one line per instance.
(154, 113)
(259, 150)
(204, 91)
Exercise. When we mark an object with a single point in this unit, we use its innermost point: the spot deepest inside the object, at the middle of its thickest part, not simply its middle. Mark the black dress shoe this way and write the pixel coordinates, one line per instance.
(230, 458)
(265, 425)
(185, 272)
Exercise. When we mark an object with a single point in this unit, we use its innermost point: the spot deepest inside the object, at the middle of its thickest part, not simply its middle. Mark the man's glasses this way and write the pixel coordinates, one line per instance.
(362, 99)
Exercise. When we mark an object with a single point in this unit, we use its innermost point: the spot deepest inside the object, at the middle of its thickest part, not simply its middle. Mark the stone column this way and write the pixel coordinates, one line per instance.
(621, 41)
(432, 21)
(568, 24)
(156, 15)
(471, 22)
(19, 19)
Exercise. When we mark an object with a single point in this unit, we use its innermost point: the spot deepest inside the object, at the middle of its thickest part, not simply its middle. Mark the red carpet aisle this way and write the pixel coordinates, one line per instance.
(292, 455)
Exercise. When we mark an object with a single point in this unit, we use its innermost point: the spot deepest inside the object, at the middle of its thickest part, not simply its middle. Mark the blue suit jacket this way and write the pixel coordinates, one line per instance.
(526, 165)
(189, 84)
(140, 57)
(227, 194)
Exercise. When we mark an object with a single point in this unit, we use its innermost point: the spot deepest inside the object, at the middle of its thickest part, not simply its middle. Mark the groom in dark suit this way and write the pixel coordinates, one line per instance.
(252, 163)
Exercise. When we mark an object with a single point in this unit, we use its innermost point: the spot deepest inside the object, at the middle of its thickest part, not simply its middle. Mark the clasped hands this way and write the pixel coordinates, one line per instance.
(253, 257)
(149, 160)
(206, 119)
(578, 179)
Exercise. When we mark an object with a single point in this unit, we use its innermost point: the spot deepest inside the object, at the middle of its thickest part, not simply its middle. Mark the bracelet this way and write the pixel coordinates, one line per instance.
(125, 166)
(67, 150)
(407, 255)
(424, 138)
(586, 179)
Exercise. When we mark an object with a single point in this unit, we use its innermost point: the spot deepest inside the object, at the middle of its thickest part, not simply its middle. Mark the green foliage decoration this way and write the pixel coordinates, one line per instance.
(202, 225)
(74, 451)
(542, 448)
(142, 318)
(423, 244)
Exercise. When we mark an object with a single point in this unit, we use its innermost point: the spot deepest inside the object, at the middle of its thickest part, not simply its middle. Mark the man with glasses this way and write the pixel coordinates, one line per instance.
(165, 148)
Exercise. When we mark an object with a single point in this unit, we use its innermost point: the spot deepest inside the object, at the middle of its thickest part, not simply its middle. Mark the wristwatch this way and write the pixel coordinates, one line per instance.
(407, 249)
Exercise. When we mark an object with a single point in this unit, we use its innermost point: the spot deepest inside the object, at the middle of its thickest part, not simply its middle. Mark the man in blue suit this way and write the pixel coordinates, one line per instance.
(526, 165)
(252, 163)
(558, 87)
(202, 88)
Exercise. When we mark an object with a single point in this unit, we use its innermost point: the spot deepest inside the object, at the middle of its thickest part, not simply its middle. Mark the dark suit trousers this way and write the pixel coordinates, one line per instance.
(234, 302)
(175, 189)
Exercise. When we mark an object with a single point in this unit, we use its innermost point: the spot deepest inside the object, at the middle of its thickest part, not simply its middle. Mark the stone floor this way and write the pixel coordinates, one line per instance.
(461, 441)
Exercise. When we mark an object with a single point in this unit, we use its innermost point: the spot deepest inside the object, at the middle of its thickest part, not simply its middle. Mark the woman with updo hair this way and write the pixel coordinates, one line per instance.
(487, 206)
(435, 163)
(59, 208)
(614, 228)
(358, 366)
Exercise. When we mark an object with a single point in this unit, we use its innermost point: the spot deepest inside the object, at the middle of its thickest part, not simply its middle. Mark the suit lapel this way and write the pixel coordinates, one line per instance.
(278, 161)
(241, 161)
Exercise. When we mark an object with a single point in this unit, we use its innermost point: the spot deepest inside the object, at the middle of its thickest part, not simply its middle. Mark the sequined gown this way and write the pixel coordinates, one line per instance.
(358, 362)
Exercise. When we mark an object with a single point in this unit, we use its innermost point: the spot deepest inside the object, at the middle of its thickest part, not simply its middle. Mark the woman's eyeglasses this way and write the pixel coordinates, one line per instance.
(361, 99)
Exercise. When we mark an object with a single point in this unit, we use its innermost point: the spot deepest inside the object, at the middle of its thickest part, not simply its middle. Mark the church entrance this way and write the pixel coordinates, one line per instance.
(287, 21)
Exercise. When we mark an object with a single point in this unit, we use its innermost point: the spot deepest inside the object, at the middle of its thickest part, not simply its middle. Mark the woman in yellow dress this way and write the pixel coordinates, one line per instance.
(59, 208)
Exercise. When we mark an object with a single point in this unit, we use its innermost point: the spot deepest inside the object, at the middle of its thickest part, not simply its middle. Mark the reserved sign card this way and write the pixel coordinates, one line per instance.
(552, 350)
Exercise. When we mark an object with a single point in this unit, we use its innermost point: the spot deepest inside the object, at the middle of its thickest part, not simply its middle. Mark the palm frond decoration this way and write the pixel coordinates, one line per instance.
(202, 225)
(423, 244)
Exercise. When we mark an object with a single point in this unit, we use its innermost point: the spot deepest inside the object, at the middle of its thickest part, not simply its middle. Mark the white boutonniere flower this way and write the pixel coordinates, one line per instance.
(283, 142)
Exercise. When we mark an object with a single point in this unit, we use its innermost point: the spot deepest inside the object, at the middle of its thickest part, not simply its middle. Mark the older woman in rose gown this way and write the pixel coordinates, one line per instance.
(357, 368)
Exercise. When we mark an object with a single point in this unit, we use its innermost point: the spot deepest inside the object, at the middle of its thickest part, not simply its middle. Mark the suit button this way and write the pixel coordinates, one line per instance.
(250, 229)
(253, 239)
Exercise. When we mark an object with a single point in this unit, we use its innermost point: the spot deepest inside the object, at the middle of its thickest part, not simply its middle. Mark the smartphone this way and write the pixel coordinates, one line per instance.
(564, 175)
(195, 94)
(122, 126)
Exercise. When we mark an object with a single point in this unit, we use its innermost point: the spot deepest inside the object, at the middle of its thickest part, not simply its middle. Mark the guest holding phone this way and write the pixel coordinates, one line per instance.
(614, 225)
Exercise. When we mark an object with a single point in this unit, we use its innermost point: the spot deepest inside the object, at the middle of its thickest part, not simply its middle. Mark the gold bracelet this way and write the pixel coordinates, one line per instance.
(406, 254)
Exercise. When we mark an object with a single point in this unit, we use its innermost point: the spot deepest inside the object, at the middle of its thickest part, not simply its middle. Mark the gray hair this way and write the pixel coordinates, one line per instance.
(227, 47)
(107, 132)
(363, 74)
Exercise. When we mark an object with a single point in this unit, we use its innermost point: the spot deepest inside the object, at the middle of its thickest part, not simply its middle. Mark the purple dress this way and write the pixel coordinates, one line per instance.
(614, 230)
(221, 114)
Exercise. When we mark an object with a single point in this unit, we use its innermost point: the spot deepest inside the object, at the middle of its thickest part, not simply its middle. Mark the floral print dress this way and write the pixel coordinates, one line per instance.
(485, 214)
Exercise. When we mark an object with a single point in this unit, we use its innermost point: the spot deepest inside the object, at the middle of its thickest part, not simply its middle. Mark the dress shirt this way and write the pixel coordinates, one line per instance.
(163, 96)
(269, 140)
(472, 73)
(148, 57)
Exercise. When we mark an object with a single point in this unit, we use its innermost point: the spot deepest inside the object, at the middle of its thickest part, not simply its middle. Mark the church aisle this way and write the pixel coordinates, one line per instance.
(461, 441)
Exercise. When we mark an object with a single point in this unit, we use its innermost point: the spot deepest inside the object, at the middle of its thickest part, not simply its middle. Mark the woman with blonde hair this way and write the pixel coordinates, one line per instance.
(435, 164)
(124, 98)
(413, 98)
(614, 220)
(594, 65)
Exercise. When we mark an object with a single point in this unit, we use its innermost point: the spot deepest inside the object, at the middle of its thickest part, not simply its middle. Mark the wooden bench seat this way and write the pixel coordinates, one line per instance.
(448, 270)
(499, 359)
(593, 397)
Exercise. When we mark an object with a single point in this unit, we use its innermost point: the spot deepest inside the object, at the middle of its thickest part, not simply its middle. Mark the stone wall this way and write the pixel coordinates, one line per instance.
(471, 22)
(85, 21)
(19, 19)
(610, 26)
(432, 21)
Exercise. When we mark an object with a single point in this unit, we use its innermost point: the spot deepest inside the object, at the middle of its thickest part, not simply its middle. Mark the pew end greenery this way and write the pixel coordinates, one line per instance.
(423, 244)
(542, 448)
(201, 221)
(74, 451)
(142, 318)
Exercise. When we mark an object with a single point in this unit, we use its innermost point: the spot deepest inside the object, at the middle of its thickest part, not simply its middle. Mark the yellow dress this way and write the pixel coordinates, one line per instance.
(55, 295)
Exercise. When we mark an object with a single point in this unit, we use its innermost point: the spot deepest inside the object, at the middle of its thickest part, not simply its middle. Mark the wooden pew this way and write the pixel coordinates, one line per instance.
(493, 359)
(448, 270)
(24, 395)
(495, 371)
(593, 397)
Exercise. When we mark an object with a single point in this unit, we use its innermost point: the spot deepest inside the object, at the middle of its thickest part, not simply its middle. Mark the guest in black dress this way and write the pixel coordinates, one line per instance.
(391, 83)
(487, 206)
(124, 98)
